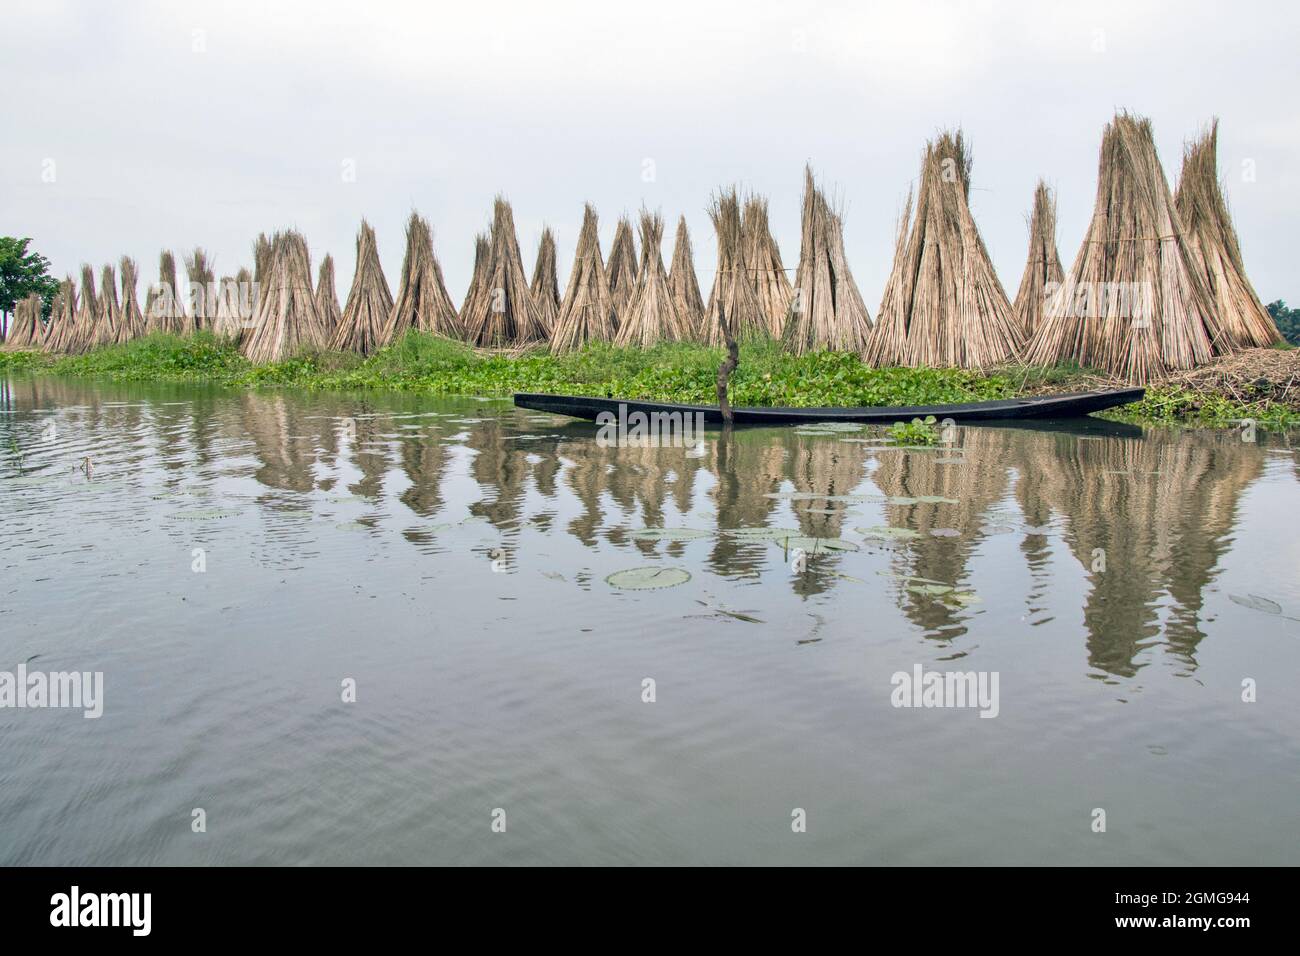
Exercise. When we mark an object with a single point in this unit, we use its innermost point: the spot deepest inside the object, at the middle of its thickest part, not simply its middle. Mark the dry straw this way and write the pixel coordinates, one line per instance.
(546, 283)
(1043, 272)
(943, 305)
(652, 315)
(327, 297)
(1134, 303)
(63, 318)
(286, 321)
(1212, 239)
(826, 310)
(733, 298)
(25, 332)
(684, 285)
(369, 302)
(162, 306)
(587, 310)
(480, 277)
(132, 319)
(198, 270)
(422, 299)
(620, 270)
(502, 313)
(108, 316)
(763, 262)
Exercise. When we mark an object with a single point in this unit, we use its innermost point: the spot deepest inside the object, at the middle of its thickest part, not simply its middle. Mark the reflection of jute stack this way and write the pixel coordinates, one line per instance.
(975, 486)
(278, 428)
(1149, 519)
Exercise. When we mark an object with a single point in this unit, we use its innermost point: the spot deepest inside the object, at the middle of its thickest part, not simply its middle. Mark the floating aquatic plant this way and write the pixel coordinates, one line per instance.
(648, 578)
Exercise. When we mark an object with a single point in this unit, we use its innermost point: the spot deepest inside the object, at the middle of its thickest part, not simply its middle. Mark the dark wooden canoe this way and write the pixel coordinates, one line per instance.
(1040, 407)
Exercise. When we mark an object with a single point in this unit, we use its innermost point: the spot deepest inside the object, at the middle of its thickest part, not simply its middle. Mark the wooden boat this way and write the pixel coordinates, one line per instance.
(1049, 407)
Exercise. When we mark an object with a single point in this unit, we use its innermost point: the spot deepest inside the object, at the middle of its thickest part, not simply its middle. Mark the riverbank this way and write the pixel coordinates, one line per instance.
(1261, 384)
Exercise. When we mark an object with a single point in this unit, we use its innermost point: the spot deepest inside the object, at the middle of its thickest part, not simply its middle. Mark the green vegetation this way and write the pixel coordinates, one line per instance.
(677, 373)
(915, 432)
(22, 273)
(1288, 320)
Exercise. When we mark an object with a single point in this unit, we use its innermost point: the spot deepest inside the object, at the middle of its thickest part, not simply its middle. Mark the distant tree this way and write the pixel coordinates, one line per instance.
(1288, 320)
(21, 274)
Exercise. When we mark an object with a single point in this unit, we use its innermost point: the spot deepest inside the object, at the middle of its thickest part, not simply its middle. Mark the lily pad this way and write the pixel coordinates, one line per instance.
(945, 533)
(204, 514)
(670, 534)
(648, 578)
(795, 495)
(761, 534)
(887, 533)
(817, 545)
(1257, 603)
(857, 499)
(935, 500)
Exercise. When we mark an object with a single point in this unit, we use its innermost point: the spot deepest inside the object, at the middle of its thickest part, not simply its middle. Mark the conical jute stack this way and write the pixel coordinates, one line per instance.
(826, 309)
(63, 318)
(502, 314)
(201, 295)
(1213, 241)
(163, 311)
(108, 317)
(327, 297)
(733, 298)
(25, 331)
(684, 285)
(479, 277)
(83, 325)
(422, 300)
(620, 269)
(131, 323)
(587, 309)
(1133, 303)
(286, 321)
(235, 304)
(1043, 273)
(763, 262)
(652, 314)
(943, 304)
(546, 283)
(370, 302)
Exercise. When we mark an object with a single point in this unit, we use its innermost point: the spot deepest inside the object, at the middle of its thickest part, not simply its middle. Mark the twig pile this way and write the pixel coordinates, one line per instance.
(1043, 273)
(587, 310)
(369, 302)
(652, 315)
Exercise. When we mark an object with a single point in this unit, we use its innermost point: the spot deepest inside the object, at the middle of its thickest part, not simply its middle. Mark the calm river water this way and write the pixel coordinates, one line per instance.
(236, 563)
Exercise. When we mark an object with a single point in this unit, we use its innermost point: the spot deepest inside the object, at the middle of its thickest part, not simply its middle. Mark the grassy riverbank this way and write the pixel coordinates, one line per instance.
(677, 373)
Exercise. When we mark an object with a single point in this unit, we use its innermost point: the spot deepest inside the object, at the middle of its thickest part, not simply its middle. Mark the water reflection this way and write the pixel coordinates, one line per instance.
(1143, 520)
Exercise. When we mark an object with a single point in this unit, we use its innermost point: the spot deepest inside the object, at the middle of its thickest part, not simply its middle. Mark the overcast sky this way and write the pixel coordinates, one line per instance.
(133, 126)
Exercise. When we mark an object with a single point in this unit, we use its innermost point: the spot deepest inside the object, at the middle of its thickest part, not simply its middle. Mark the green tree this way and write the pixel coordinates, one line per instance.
(21, 274)
(1288, 320)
